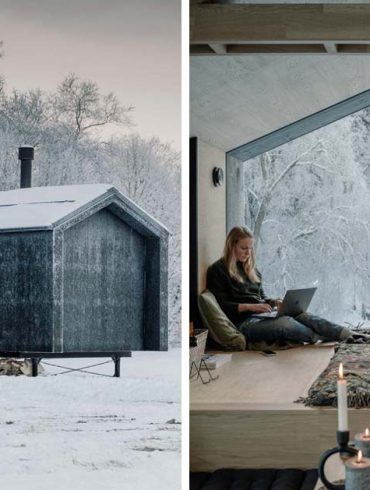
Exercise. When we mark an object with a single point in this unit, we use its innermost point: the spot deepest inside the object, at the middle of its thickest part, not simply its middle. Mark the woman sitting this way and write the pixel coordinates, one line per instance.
(237, 286)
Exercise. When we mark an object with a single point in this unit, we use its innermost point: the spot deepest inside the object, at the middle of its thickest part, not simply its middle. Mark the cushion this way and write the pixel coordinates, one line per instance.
(225, 333)
(220, 328)
(261, 479)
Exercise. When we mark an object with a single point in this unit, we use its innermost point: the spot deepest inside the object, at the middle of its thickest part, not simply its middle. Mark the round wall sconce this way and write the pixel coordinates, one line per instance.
(217, 176)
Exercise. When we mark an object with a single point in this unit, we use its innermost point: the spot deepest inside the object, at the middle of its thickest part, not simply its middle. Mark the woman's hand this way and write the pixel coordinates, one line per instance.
(255, 307)
(275, 303)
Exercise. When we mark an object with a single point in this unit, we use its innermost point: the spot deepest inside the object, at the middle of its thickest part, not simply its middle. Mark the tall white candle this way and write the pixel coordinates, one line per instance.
(342, 401)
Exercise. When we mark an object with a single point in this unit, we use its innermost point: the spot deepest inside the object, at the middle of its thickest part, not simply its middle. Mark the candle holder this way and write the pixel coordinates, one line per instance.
(343, 449)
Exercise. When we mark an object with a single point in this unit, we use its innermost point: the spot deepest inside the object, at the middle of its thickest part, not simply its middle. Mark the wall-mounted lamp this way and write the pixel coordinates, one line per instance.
(217, 176)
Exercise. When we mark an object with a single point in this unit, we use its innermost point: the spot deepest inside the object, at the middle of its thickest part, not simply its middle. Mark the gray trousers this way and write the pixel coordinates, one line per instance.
(303, 328)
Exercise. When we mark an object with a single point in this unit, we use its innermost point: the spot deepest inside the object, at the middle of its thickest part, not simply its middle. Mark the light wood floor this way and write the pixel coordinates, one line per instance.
(252, 380)
(248, 418)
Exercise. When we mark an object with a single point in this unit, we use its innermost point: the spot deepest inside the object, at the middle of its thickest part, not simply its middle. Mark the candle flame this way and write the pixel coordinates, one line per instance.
(359, 457)
(341, 371)
(367, 432)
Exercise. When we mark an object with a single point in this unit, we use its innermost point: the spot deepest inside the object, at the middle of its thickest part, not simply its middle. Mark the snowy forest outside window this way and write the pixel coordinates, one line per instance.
(308, 204)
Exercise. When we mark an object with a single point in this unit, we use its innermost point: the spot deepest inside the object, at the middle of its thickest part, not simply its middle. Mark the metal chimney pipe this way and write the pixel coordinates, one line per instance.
(25, 155)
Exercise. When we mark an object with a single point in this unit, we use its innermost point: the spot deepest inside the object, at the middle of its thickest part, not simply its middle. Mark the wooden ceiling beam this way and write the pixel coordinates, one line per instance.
(231, 24)
(279, 48)
(276, 48)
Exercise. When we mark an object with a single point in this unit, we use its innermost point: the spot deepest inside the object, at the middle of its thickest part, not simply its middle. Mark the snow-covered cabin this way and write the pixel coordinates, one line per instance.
(82, 269)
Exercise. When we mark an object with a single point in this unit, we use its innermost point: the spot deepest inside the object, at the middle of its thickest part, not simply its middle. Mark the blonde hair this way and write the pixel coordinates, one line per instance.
(234, 236)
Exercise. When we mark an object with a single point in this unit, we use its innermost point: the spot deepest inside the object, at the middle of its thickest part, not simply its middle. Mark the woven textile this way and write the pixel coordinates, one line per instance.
(356, 364)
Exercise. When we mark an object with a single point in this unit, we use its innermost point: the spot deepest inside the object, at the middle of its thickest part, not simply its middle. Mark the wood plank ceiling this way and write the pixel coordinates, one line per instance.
(229, 28)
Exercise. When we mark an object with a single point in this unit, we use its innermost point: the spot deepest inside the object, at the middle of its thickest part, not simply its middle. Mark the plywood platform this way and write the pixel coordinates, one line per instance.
(252, 380)
(248, 417)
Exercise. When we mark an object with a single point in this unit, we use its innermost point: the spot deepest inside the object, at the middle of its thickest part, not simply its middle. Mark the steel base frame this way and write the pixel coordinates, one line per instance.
(36, 358)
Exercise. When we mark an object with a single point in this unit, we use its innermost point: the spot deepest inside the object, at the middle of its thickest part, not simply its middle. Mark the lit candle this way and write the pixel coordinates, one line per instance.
(358, 473)
(362, 441)
(342, 401)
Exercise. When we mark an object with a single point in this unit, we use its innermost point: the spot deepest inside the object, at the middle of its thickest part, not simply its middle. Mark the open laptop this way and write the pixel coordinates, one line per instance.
(295, 301)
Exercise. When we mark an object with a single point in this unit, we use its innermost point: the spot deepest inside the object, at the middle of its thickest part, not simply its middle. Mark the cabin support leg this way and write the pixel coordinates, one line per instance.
(117, 366)
(35, 364)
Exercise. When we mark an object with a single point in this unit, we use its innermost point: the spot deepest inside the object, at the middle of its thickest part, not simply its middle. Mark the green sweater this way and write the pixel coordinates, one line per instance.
(230, 292)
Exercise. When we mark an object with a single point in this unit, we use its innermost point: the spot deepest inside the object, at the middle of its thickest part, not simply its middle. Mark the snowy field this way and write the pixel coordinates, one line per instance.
(87, 432)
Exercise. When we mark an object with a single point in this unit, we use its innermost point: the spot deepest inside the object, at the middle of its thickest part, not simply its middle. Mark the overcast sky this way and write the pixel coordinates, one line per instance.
(132, 48)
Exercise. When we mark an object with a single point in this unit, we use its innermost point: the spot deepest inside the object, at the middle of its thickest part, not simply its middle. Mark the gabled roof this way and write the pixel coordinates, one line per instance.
(44, 208)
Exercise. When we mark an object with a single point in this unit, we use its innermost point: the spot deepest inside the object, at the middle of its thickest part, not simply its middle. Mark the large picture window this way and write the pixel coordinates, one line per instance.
(308, 204)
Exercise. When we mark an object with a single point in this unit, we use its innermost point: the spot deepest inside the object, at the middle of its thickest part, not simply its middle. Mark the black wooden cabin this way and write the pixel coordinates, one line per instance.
(82, 269)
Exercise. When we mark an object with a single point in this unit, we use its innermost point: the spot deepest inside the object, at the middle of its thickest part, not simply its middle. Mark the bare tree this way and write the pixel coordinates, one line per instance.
(26, 114)
(80, 104)
(271, 182)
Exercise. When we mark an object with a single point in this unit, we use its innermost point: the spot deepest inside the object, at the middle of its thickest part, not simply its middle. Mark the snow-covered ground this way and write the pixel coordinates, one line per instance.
(87, 432)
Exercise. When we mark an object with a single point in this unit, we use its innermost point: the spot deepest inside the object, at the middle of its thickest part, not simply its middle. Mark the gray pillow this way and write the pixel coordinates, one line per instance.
(220, 328)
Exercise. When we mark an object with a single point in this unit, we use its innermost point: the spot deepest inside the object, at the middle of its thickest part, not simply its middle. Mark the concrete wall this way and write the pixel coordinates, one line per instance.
(236, 99)
(211, 209)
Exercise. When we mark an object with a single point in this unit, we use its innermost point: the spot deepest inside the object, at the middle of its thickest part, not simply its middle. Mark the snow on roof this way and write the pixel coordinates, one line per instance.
(41, 207)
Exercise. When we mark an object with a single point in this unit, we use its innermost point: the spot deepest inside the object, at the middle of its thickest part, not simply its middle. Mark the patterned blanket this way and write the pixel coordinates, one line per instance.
(356, 364)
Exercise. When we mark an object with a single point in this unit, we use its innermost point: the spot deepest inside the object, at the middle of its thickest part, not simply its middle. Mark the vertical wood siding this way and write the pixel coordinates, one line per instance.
(103, 283)
(26, 291)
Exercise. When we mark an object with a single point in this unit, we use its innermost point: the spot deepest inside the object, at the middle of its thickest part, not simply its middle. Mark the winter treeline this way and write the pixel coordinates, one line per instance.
(67, 128)
(308, 203)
